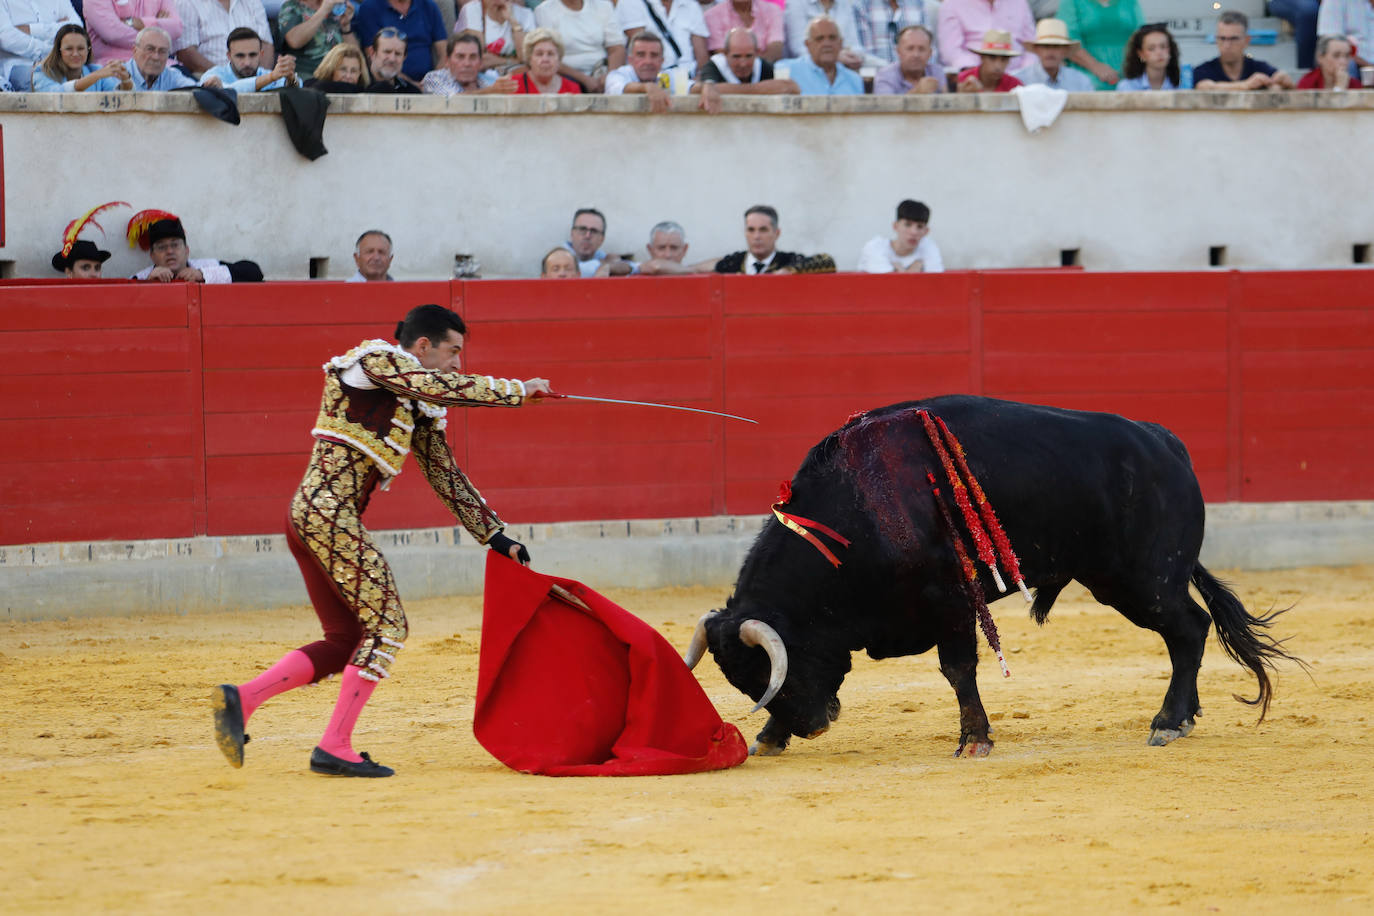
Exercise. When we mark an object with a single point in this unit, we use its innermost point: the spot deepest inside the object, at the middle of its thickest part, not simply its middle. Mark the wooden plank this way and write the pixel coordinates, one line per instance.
(893, 377)
(266, 390)
(1300, 409)
(838, 336)
(373, 307)
(855, 294)
(75, 396)
(1076, 291)
(86, 306)
(1045, 334)
(564, 504)
(117, 520)
(591, 340)
(97, 482)
(259, 433)
(283, 347)
(1285, 290)
(1108, 372)
(526, 301)
(584, 465)
(95, 439)
(1331, 370)
(1307, 329)
(96, 352)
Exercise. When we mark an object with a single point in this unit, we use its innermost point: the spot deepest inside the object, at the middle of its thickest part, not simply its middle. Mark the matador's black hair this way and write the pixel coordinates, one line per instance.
(431, 321)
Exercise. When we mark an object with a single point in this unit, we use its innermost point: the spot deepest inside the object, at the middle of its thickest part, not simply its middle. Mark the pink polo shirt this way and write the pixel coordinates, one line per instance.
(721, 18)
(963, 22)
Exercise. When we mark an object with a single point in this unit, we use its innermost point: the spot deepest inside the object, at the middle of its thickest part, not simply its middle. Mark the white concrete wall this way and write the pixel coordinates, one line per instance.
(1275, 178)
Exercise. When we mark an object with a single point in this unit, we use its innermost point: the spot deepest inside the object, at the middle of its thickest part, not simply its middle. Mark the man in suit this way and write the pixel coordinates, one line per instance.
(761, 256)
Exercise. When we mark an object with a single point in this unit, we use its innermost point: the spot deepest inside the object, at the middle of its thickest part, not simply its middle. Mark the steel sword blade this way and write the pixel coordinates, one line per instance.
(714, 413)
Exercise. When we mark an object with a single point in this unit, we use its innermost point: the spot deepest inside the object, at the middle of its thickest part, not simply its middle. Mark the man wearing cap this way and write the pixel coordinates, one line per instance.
(172, 262)
(913, 72)
(1051, 46)
(994, 54)
(819, 71)
(82, 261)
(963, 23)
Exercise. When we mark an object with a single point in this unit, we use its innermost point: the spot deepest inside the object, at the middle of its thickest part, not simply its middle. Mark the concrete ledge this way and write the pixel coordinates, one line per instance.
(430, 105)
(194, 575)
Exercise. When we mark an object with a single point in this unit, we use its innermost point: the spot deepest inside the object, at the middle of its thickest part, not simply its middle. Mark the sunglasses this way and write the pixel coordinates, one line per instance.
(391, 32)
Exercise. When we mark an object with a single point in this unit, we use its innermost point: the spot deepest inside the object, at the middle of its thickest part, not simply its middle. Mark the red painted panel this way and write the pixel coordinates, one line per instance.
(1016, 291)
(880, 380)
(117, 520)
(88, 306)
(91, 352)
(1313, 464)
(592, 340)
(96, 438)
(1108, 372)
(488, 301)
(266, 347)
(936, 330)
(259, 433)
(1333, 370)
(566, 504)
(1048, 332)
(96, 483)
(1301, 409)
(267, 390)
(861, 294)
(134, 394)
(375, 307)
(558, 465)
(1307, 329)
(1298, 289)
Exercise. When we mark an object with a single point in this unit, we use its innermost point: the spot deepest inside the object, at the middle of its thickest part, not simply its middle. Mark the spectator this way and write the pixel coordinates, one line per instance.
(679, 23)
(761, 234)
(310, 29)
(667, 248)
(1332, 71)
(964, 23)
(644, 74)
(544, 60)
(165, 241)
(1302, 14)
(761, 17)
(386, 59)
(1232, 69)
(994, 54)
(372, 253)
(820, 72)
(206, 25)
(114, 24)
(344, 69)
(83, 261)
(910, 250)
(464, 71)
(27, 31)
(738, 70)
(1353, 19)
(242, 73)
(588, 232)
(68, 67)
(914, 71)
(500, 27)
(882, 22)
(796, 20)
(148, 70)
(1102, 30)
(418, 23)
(1050, 46)
(559, 264)
(593, 43)
(1151, 60)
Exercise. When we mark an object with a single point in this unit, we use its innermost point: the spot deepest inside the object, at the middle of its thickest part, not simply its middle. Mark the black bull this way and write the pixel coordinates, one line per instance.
(1110, 502)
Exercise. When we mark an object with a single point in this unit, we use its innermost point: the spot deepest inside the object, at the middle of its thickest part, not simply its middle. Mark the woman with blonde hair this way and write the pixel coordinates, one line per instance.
(68, 67)
(543, 57)
(344, 69)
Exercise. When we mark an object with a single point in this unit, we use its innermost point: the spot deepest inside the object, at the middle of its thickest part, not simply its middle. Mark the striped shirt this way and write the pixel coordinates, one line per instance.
(206, 24)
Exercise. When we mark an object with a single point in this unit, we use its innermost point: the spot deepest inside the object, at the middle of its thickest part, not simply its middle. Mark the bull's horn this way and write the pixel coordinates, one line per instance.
(698, 647)
(758, 633)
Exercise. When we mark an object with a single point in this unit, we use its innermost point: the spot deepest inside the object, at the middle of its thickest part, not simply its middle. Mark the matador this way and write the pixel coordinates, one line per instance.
(381, 402)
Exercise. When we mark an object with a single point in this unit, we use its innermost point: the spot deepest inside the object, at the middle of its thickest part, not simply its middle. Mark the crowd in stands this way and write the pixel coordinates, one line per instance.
(658, 48)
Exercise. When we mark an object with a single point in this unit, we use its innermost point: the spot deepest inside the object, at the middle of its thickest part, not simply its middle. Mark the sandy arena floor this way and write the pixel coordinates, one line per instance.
(116, 799)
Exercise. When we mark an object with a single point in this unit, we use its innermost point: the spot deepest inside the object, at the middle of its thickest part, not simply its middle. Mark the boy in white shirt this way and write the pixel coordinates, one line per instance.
(911, 250)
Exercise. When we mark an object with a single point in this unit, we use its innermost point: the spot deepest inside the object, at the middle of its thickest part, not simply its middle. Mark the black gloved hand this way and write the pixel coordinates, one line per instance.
(502, 545)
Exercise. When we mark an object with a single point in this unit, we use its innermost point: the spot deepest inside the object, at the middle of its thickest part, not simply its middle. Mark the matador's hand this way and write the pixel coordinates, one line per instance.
(509, 547)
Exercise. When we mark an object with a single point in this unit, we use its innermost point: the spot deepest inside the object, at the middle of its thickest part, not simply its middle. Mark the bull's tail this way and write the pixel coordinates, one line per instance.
(1243, 635)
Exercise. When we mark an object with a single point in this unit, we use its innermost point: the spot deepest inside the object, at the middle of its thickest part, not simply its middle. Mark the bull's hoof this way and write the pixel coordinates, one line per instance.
(766, 749)
(1162, 736)
(974, 749)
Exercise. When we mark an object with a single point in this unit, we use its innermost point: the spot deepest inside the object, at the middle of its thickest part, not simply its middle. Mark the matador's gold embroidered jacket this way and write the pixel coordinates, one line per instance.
(379, 400)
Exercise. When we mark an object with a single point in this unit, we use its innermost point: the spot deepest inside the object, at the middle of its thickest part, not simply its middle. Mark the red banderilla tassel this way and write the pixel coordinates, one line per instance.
(975, 527)
(999, 535)
(798, 524)
(969, 584)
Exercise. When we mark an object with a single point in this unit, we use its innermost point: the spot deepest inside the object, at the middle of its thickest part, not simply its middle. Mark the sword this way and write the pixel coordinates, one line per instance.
(581, 397)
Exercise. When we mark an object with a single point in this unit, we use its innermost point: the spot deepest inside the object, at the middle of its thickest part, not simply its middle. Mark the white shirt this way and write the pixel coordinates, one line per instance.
(586, 33)
(684, 20)
(212, 270)
(206, 24)
(471, 19)
(878, 257)
(797, 15)
(753, 265)
(44, 18)
(619, 78)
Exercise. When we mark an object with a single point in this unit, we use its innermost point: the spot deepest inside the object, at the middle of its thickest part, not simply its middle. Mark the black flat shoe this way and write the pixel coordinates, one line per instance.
(321, 761)
(229, 723)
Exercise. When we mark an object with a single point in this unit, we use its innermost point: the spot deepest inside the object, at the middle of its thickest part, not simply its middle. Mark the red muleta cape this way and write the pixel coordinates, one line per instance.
(563, 691)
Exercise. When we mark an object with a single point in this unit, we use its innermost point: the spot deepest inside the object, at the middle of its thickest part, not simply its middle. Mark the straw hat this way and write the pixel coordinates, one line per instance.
(1052, 32)
(997, 43)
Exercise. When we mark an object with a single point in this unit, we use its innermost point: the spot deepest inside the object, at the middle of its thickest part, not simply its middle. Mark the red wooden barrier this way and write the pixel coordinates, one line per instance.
(137, 411)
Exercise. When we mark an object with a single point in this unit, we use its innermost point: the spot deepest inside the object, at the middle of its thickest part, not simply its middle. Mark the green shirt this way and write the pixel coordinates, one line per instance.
(292, 14)
(1103, 30)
